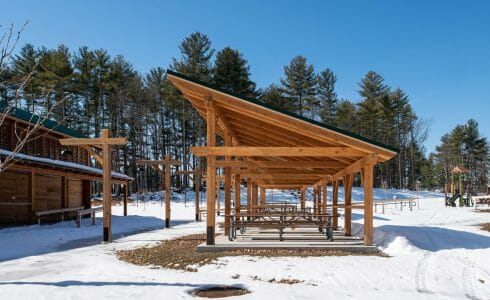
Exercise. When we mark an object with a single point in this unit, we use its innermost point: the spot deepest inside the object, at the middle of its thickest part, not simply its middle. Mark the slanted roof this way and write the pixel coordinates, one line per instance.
(251, 123)
(59, 164)
(29, 117)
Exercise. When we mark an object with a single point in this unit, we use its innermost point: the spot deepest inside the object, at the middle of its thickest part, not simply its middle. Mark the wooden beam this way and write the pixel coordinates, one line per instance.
(92, 153)
(277, 151)
(367, 183)
(228, 142)
(282, 164)
(348, 182)
(211, 173)
(335, 201)
(168, 163)
(356, 166)
(197, 183)
(157, 162)
(191, 172)
(93, 141)
(262, 196)
(106, 186)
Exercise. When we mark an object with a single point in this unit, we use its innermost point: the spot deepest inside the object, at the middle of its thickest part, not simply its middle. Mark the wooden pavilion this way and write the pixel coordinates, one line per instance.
(274, 149)
(46, 177)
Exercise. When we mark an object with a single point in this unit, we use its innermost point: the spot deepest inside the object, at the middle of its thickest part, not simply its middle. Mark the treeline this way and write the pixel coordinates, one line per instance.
(103, 91)
(465, 147)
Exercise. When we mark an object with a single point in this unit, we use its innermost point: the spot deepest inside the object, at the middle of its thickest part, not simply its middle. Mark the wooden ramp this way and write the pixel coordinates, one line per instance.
(299, 239)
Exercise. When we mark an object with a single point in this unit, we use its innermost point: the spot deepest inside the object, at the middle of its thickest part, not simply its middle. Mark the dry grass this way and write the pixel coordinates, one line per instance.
(181, 254)
(485, 226)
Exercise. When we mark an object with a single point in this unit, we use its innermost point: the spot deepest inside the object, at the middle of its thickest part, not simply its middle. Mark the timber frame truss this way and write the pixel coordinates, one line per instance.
(271, 149)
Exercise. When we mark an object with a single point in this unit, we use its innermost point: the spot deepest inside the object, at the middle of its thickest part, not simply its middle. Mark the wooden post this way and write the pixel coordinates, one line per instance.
(335, 201)
(218, 196)
(125, 199)
(303, 198)
(324, 198)
(348, 181)
(249, 197)
(314, 200)
(262, 197)
(106, 187)
(237, 194)
(105, 143)
(211, 173)
(227, 188)
(367, 183)
(255, 195)
(168, 192)
(197, 182)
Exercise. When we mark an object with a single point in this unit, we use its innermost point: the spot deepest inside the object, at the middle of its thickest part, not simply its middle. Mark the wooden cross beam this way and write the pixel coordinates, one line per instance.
(277, 151)
(105, 142)
(282, 164)
(165, 170)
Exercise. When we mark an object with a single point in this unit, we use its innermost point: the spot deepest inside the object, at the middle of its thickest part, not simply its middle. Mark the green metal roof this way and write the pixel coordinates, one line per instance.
(32, 118)
(289, 113)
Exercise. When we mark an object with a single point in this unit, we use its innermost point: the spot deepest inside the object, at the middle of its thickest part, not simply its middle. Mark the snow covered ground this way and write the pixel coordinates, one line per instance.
(436, 253)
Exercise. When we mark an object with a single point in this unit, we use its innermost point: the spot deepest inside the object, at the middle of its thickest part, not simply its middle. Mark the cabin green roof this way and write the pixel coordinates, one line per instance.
(29, 117)
(289, 113)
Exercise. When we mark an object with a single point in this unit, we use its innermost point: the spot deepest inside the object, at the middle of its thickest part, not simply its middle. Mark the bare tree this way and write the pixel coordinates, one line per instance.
(8, 42)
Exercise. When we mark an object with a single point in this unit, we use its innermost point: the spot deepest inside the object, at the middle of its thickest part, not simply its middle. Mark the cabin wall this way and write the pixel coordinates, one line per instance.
(43, 144)
(49, 191)
(14, 189)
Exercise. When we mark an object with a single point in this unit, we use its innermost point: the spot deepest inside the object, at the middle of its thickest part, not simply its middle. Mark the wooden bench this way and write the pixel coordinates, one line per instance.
(481, 200)
(279, 220)
(61, 211)
(88, 211)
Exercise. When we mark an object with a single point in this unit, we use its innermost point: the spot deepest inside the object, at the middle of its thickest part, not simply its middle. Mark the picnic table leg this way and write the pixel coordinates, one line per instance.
(78, 220)
(93, 218)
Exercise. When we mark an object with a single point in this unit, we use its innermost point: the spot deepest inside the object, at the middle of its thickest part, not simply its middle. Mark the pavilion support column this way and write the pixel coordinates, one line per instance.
(227, 188)
(335, 201)
(262, 197)
(367, 183)
(348, 181)
(167, 191)
(218, 197)
(303, 199)
(125, 186)
(255, 196)
(197, 182)
(319, 200)
(237, 195)
(314, 200)
(249, 197)
(106, 188)
(324, 198)
(211, 174)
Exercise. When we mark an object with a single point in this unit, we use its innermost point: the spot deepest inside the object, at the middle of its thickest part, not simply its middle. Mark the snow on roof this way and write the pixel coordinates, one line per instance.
(62, 164)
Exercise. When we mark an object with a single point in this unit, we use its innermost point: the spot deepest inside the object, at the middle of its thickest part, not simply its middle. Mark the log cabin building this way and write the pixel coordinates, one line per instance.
(44, 175)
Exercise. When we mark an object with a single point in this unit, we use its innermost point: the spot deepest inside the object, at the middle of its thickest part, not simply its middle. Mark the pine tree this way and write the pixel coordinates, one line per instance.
(231, 72)
(346, 116)
(299, 84)
(327, 96)
(372, 89)
(273, 95)
(196, 54)
(56, 73)
(26, 64)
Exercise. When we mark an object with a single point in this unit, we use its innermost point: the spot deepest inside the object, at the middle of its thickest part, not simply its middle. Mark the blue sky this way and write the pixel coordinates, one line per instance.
(438, 52)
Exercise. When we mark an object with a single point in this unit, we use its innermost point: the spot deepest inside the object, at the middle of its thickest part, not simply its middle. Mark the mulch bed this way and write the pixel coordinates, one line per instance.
(181, 254)
(485, 226)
